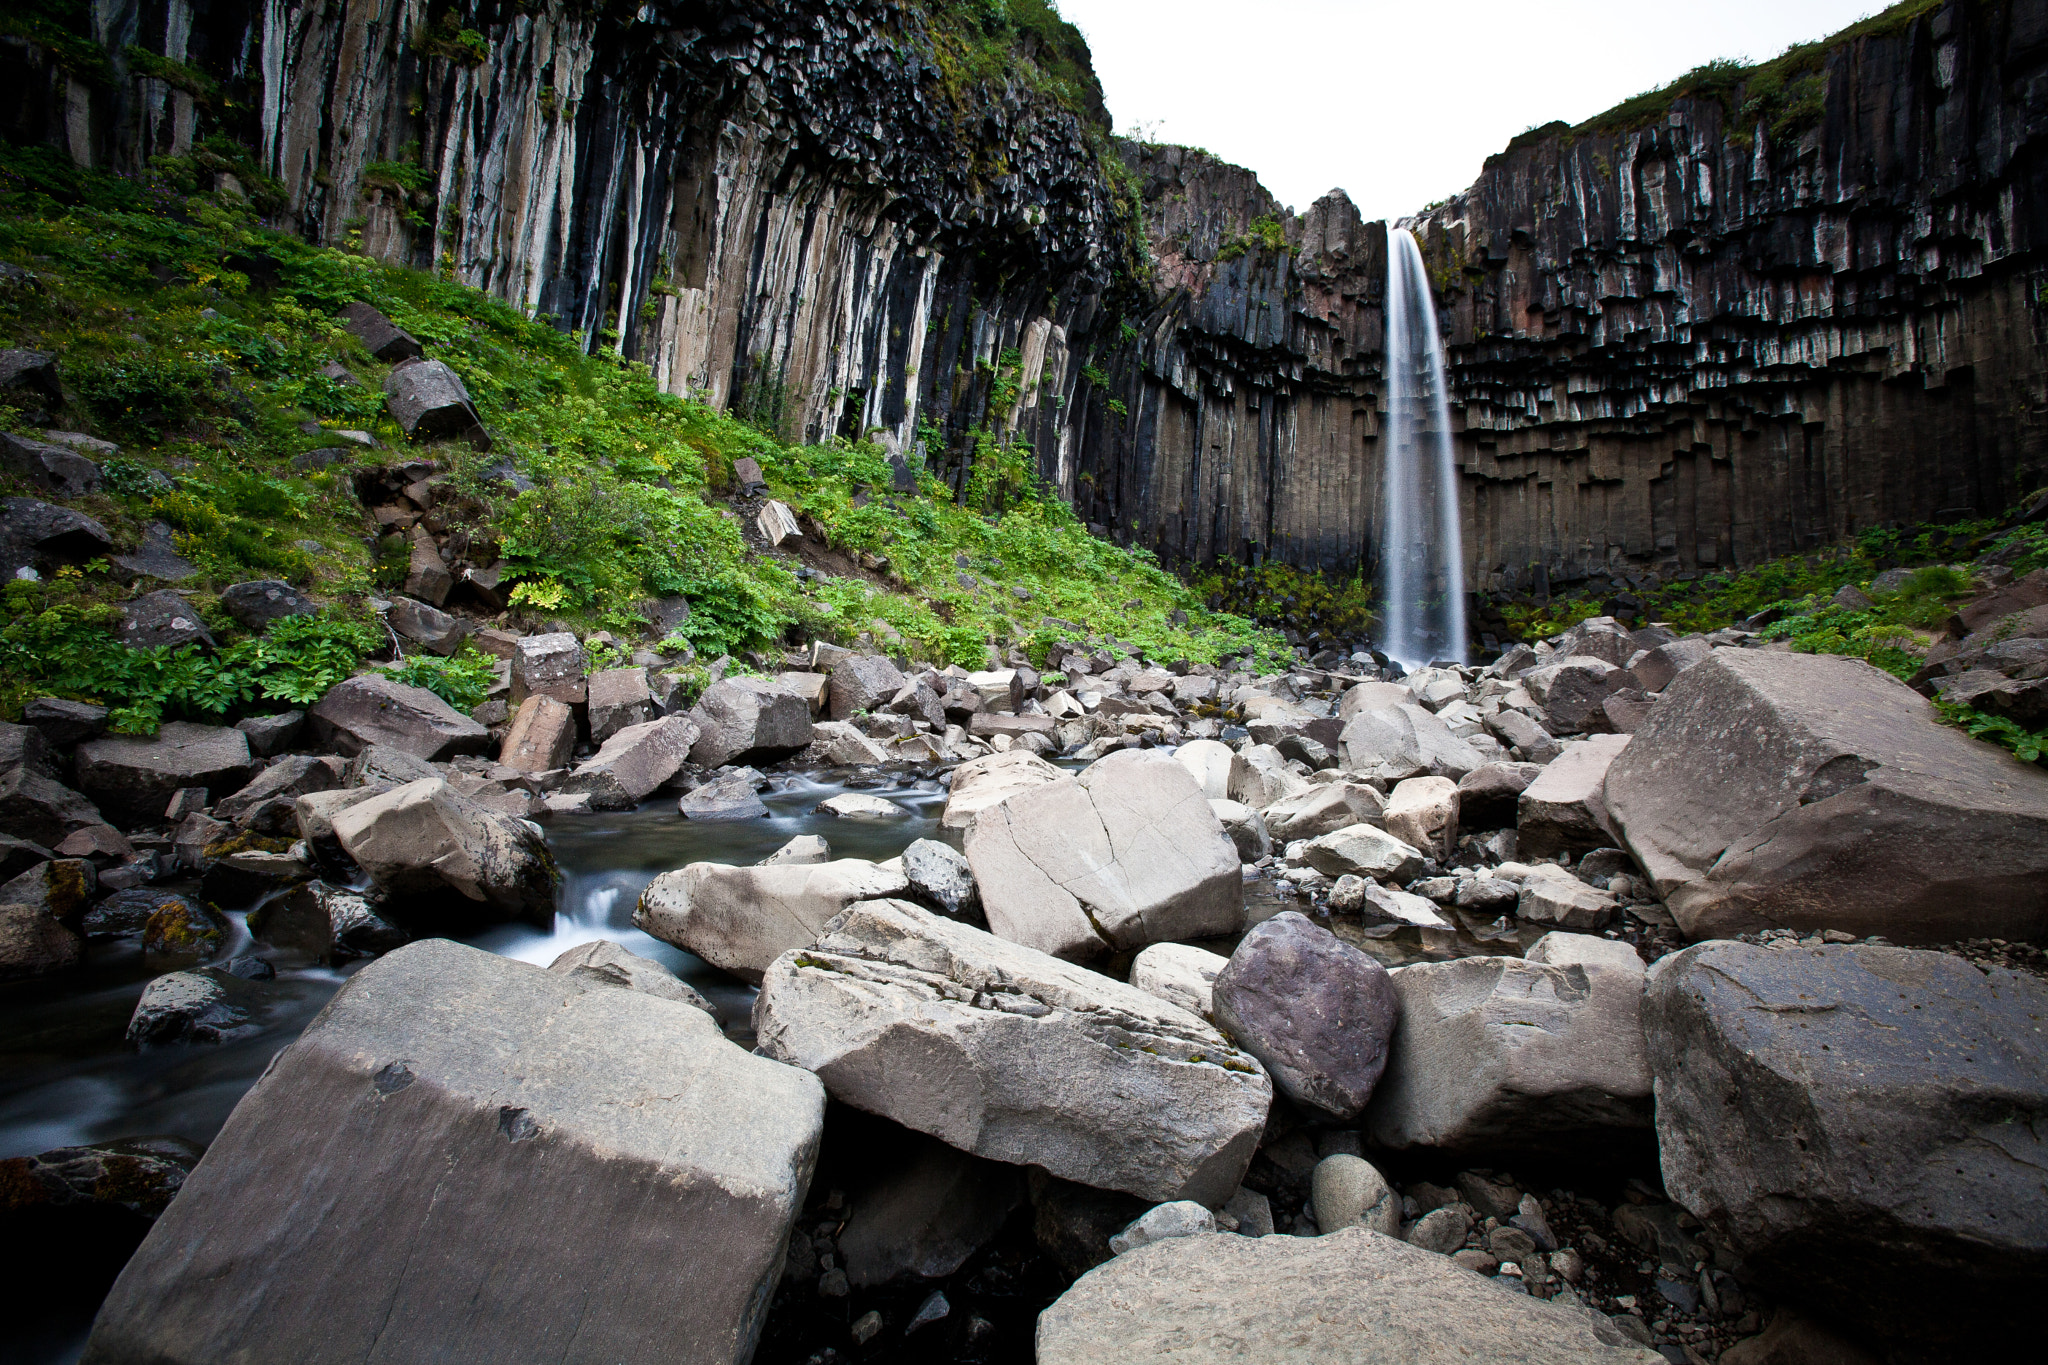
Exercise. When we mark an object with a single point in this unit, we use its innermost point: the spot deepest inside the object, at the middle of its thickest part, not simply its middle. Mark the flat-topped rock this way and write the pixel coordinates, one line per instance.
(1769, 789)
(136, 775)
(740, 919)
(373, 710)
(477, 1133)
(1354, 1296)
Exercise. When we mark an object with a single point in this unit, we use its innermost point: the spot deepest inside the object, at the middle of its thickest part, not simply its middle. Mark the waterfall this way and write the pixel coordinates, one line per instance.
(1422, 556)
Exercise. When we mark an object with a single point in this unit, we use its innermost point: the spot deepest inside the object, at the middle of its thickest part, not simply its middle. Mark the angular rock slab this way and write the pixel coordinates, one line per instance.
(1354, 1297)
(1865, 1126)
(135, 775)
(1395, 742)
(1565, 810)
(1014, 1055)
(1533, 1053)
(460, 1139)
(1126, 854)
(424, 840)
(1315, 1010)
(1815, 792)
(371, 710)
(989, 781)
(633, 762)
(747, 720)
(740, 919)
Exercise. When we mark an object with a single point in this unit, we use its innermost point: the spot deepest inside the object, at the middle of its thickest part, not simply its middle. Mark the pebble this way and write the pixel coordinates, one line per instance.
(866, 1325)
(930, 1311)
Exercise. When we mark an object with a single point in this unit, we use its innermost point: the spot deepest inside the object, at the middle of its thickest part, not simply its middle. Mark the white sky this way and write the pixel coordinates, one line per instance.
(1400, 103)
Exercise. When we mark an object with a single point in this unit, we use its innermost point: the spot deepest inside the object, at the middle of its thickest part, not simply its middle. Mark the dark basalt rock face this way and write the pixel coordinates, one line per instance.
(1677, 346)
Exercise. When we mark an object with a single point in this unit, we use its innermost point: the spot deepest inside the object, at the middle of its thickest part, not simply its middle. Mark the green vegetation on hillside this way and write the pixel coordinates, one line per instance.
(980, 44)
(1787, 93)
(209, 379)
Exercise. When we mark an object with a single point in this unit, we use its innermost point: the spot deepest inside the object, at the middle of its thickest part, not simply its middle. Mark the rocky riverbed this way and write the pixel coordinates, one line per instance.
(1631, 997)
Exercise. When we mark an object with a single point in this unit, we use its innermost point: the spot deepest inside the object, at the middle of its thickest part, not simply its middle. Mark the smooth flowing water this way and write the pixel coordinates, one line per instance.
(1422, 557)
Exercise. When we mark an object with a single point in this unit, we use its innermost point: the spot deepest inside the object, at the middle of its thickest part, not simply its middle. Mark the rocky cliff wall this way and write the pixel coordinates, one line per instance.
(1706, 341)
(1681, 339)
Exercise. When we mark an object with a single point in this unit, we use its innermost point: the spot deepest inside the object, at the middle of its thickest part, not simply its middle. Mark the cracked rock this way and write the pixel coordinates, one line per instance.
(1014, 1055)
(1535, 1053)
(740, 919)
(1126, 854)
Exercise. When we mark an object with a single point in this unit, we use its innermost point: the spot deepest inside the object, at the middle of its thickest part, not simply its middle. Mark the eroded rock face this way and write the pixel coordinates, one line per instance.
(1354, 1296)
(1814, 792)
(1864, 1126)
(1316, 1011)
(451, 1098)
(1532, 1053)
(1011, 1054)
(740, 919)
(1126, 854)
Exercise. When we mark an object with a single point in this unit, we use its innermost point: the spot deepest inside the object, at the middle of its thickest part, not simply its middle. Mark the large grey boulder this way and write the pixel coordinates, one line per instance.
(54, 469)
(1865, 1127)
(37, 533)
(633, 762)
(1565, 809)
(740, 919)
(1315, 1011)
(255, 604)
(731, 797)
(1814, 792)
(1355, 1296)
(941, 878)
(989, 781)
(1014, 1055)
(459, 1138)
(549, 665)
(1364, 851)
(863, 682)
(1422, 812)
(1537, 1053)
(428, 628)
(380, 336)
(1489, 797)
(374, 710)
(1127, 853)
(1390, 743)
(1323, 809)
(1655, 670)
(1210, 761)
(748, 720)
(34, 805)
(161, 620)
(135, 775)
(428, 399)
(619, 697)
(423, 840)
(1572, 691)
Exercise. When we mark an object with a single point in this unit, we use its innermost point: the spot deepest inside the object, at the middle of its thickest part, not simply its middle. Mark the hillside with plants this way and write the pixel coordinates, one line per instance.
(206, 346)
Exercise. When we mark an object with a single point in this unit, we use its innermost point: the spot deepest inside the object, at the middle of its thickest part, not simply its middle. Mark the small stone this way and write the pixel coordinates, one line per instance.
(934, 1308)
(832, 1284)
(865, 1326)
(1349, 1189)
(1476, 1260)
(1441, 1230)
(1181, 1218)
(852, 806)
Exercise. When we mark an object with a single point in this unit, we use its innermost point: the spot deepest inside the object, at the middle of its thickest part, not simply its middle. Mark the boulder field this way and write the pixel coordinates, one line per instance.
(1425, 1015)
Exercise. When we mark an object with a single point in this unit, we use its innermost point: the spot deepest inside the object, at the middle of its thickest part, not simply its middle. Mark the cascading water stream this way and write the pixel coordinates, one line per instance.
(1422, 556)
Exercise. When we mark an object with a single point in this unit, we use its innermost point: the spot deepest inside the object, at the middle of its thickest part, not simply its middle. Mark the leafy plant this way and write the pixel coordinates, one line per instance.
(463, 680)
(2029, 746)
(71, 652)
(141, 397)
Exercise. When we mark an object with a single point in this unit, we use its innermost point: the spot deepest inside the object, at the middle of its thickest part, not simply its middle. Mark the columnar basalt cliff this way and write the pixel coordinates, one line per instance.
(1714, 339)
(1701, 331)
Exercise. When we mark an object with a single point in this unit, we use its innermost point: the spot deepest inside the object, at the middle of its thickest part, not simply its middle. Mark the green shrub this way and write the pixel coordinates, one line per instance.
(71, 652)
(463, 680)
(2029, 746)
(141, 397)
